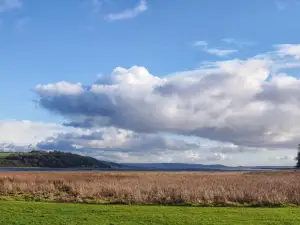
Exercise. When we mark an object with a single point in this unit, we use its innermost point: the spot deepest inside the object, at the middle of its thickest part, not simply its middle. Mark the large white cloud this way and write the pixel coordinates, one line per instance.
(289, 50)
(20, 135)
(108, 143)
(125, 146)
(113, 139)
(113, 144)
(250, 102)
(121, 145)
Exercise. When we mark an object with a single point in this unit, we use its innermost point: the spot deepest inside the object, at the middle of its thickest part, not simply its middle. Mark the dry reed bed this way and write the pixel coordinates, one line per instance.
(256, 189)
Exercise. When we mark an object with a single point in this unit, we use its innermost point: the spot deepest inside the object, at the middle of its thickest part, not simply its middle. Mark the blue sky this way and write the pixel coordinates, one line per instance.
(71, 41)
(44, 42)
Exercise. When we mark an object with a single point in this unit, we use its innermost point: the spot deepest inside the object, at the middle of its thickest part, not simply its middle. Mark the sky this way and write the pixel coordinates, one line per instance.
(210, 82)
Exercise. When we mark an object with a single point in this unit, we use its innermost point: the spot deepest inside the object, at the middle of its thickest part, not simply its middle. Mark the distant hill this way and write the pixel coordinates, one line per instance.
(174, 166)
(55, 159)
(63, 160)
(201, 167)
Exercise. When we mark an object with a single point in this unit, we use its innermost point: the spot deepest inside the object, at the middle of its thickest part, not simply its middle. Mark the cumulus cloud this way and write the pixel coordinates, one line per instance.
(60, 88)
(165, 157)
(128, 13)
(289, 50)
(6, 5)
(111, 139)
(119, 145)
(127, 146)
(20, 135)
(114, 140)
(109, 143)
(243, 102)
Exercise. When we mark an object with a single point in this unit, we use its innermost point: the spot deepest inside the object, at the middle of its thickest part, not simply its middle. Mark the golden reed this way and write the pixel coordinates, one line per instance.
(182, 188)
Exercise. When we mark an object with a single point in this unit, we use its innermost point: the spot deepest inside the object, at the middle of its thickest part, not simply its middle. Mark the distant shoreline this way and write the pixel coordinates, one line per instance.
(42, 169)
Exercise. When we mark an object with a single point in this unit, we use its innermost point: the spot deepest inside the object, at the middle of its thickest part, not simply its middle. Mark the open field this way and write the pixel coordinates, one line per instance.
(205, 189)
(35, 213)
(4, 154)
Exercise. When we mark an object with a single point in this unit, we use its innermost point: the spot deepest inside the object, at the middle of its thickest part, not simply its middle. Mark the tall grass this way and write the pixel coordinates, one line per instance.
(256, 189)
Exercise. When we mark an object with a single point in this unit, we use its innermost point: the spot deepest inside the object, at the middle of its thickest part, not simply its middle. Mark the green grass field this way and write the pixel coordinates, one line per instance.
(4, 154)
(33, 213)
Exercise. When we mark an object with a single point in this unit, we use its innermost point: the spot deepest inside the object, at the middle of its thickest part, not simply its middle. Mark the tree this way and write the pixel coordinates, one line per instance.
(298, 157)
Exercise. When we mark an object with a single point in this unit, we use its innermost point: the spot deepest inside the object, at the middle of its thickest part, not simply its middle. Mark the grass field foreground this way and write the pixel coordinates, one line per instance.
(158, 188)
(4, 154)
(34, 213)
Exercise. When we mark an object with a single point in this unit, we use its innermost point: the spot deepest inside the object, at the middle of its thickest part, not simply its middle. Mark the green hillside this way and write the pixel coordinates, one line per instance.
(55, 159)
